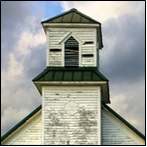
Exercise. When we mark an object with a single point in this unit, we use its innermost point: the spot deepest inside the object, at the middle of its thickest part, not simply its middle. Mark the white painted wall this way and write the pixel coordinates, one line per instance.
(56, 35)
(32, 136)
(114, 132)
(71, 115)
(27, 134)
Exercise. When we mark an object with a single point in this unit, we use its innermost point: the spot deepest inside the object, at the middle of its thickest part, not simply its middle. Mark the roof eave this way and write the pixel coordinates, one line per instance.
(50, 23)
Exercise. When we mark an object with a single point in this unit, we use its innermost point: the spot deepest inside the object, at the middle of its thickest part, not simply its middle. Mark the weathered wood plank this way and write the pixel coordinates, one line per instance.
(112, 134)
(71, 112)
(84, 34)
(31, 137)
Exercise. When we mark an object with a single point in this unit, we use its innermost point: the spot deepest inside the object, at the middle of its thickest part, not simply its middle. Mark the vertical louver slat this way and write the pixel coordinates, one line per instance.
(71, 53)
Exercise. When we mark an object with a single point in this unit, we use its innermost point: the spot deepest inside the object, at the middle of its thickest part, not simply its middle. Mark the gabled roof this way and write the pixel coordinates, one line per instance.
(80, 74)
(75, 17)
(123, 120)
(103, 105)
(71, 16)
(21, 122)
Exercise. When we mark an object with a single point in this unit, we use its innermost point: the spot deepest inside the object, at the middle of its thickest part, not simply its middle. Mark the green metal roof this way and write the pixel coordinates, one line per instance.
(70, 74)
(74, 16)
(71, 16)
(21, 122)
(80, 74)
(103, 105)
(123, 120)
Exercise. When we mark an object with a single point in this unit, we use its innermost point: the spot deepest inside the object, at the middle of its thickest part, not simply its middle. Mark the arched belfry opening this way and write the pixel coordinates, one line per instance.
(71, 52)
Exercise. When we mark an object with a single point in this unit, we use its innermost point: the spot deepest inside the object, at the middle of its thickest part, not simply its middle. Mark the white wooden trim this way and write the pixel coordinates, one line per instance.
(42, 141)
(70, 25)
(63, 40)
(63, 46)
(95, 50)
(63, 56)
(80, 55)
(98, 60)
(99, 115)
(88, 44)
(47, 48)
(71, 29)
(65, 37)
(59, 87)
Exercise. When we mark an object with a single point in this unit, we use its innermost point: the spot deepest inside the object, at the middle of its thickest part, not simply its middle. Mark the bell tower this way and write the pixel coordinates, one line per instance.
(72, 86)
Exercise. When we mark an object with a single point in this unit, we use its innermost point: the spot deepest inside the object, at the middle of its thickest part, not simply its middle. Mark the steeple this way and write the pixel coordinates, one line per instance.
(72, 86)
(73, 40)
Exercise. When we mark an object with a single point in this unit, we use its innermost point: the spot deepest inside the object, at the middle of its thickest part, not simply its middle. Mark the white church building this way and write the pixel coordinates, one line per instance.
(74, 92)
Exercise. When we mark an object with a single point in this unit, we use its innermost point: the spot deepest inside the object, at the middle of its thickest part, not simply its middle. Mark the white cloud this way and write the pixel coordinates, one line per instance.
(18, 91)
(103, 10)
(117, 17)
(116, 101)
(11, 113)
(28, 40)
(128, 100)
(12, 116)
(25, 44)
(15, 67)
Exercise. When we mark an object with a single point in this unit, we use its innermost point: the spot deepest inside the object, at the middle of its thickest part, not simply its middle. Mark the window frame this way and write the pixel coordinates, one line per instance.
(62, 42)
(72, 53)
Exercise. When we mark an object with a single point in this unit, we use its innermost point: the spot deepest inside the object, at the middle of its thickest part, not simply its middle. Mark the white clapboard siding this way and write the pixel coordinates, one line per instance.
(55, 35)
(28, 133)
(70, 115)
(32, 136)
(87, 49)
(114, 132)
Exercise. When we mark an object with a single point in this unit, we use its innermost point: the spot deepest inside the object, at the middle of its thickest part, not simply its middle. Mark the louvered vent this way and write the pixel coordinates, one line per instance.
(71, 53)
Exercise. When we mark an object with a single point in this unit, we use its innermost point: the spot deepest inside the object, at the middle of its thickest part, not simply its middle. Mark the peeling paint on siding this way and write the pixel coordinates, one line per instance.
(114, 134)
(32, 136)
(55, 35)
(70, 116)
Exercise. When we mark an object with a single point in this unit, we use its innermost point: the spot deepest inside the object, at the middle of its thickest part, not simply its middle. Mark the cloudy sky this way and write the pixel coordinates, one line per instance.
(122, 60)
